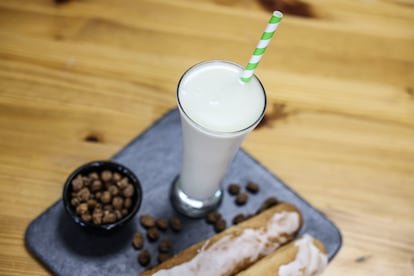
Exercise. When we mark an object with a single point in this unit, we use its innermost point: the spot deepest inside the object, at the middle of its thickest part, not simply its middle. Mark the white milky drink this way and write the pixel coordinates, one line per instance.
(217, 111)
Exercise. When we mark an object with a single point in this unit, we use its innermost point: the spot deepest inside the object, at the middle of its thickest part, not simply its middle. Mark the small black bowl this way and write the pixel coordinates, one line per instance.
(99, 166)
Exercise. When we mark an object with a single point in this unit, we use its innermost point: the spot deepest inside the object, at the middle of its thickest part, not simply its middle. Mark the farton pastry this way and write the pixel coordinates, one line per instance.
(236, 248)
(304, 256)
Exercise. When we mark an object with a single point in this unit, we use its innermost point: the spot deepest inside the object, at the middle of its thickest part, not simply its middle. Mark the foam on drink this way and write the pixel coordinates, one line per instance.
(214, 97)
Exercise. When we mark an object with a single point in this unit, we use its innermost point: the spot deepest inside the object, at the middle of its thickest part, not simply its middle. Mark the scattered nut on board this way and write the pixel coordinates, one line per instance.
(144, 257)
(233, 189)
(176, 224)
(138, 241)
(212, 217)
(162, 224)
(238, 218)
(252, 187)
(147, 221)
(241, 199)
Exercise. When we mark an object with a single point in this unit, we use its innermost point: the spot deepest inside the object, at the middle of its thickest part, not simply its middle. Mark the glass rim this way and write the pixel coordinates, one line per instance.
(218, 132)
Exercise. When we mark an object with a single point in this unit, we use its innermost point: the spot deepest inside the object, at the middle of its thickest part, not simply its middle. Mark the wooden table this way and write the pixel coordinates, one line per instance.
(80, 79)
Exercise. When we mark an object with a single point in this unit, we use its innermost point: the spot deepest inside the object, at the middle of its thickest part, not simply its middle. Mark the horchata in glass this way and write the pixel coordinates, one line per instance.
(217, 111)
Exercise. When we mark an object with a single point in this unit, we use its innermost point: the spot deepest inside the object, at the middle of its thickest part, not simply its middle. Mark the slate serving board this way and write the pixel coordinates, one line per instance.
(155, 156)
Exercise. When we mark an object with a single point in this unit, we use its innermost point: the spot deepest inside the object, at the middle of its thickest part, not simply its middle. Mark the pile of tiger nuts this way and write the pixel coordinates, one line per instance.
(102, 197)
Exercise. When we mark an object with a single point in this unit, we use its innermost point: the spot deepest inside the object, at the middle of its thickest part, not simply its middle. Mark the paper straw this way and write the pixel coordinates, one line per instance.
(262, 45)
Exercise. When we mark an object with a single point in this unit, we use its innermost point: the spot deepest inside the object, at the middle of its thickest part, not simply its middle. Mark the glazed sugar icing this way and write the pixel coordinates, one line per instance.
(309, 261)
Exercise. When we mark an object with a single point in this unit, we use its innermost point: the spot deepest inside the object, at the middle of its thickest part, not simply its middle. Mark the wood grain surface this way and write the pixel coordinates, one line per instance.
(81, 78)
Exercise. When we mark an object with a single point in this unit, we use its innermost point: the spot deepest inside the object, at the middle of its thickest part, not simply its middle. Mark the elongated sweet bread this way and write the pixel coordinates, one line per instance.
(304, 256)
(235, 249)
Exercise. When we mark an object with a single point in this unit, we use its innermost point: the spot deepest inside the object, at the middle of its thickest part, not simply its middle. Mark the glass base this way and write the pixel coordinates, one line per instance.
(190, 207)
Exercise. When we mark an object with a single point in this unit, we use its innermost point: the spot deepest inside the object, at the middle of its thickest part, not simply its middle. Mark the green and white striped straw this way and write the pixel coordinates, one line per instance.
(262, 45)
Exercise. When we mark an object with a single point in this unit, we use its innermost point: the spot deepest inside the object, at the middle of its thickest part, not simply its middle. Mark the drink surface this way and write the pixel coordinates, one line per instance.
(214, 97)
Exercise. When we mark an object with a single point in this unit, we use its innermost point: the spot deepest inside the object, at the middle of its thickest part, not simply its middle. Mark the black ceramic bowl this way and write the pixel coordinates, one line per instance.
(98, 167)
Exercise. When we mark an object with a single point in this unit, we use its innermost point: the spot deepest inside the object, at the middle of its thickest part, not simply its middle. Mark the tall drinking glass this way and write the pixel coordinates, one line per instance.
(217, 111)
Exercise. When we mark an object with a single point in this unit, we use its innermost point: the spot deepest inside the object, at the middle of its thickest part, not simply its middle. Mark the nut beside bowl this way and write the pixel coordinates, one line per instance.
(102, 195)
